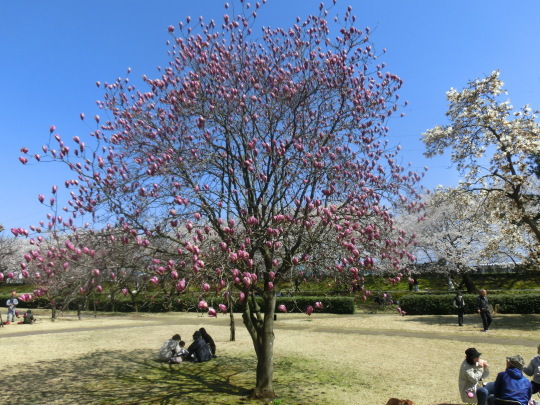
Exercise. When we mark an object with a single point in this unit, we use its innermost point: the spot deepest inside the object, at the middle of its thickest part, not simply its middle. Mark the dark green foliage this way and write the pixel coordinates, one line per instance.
(332, 305)
(528, 303)
(442, 304)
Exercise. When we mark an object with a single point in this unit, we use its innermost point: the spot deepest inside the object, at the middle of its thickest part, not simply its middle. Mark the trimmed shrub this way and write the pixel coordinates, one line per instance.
(332, 305)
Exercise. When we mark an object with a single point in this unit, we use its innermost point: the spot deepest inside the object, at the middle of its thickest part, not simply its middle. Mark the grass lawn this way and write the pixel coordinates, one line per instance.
(323, 359)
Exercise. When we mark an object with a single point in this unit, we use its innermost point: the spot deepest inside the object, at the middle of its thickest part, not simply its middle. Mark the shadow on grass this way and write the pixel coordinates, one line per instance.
(120, 377)
(525, 322)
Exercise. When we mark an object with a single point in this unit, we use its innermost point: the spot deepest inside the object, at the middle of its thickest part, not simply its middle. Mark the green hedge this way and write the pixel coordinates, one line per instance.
(332, 305)
(442, 304)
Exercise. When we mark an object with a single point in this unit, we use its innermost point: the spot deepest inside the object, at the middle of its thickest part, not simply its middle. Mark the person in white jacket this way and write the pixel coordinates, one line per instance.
(471, 372)
(171, 350)
(12, 303)
(533, 370)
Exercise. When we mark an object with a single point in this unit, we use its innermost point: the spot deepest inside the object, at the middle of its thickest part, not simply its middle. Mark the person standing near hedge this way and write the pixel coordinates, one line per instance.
(459, 304)
(482, 307)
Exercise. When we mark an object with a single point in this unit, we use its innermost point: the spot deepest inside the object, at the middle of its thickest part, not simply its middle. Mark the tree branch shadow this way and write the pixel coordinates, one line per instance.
(128, 377)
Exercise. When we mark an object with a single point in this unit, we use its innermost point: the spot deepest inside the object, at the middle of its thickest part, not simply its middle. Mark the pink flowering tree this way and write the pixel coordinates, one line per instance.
(255, 153)
(76, 267)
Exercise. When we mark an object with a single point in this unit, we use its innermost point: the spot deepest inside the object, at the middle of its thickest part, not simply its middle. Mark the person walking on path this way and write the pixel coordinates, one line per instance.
(482, 307)
(459, 304)
(12, 303)
(533, 370)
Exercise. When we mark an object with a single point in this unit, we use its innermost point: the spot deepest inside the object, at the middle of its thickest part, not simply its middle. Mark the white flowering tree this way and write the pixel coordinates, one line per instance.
(456, 234)
(494, 146)
(10, 251)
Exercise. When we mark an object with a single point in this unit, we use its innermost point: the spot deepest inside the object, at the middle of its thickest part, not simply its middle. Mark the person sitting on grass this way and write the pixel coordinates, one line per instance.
(183, 351)
(28, 317)
(472, 371)
(533, 370)
(199, 350)
(209, 341)
(170, 349)
(510, 384)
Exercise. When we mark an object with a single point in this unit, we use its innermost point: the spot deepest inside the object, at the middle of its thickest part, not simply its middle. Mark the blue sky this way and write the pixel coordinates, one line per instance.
(53, 52)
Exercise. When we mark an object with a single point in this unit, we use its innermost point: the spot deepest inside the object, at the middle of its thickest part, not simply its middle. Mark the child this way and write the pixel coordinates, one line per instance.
(12, 303)
(183, 352)
(28, 317)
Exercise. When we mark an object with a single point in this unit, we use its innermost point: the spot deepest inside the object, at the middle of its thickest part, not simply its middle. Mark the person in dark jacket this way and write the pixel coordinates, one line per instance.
(28, 317)
(459, 304)
(209, 341)
(511, 384)
(482, 307)
(199, 350)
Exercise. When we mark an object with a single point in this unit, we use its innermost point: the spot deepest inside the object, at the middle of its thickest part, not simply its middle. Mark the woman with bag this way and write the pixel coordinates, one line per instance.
(472, 371)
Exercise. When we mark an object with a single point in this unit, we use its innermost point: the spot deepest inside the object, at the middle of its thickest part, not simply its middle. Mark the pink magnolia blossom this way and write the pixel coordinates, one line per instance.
(223, 308)
(212, 312)
(202, 304)
(282, 308)
(309, 310)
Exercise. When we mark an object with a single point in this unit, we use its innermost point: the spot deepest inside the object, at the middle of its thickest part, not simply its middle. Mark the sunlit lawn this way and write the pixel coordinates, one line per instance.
(323, 359)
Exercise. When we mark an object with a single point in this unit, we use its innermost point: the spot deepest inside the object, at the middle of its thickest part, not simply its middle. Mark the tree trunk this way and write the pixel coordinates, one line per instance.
(53, 310)
(261, 330)
(232, 337)
(469, 284)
